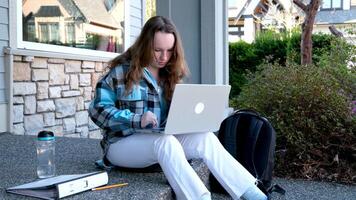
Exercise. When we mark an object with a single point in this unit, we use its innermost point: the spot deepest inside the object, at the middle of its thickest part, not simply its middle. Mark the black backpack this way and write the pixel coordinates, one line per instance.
(250, 139)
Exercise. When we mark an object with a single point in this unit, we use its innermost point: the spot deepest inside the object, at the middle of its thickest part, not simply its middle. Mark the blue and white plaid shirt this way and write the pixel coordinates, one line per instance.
(119, 114)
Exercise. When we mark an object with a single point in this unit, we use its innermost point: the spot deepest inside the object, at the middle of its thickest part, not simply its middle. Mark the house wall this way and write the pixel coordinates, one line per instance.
(4, 41)
(203, 28)
(52, 91)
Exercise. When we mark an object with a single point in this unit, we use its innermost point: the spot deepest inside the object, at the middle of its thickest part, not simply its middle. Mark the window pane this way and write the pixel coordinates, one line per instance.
(326, 3)
(97, 25)
(336, 3)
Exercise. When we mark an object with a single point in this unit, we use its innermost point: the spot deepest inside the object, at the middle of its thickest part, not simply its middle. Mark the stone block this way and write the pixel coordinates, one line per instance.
(74, 82)
(21, 71)
(42, 90)
(95, 134)
(70, 93)
(39, 74)
(55, 92)
(84, 79)
(18, 100)
(56, 74)
(80, 103)
(24, 88)
(87, 93)
(69, 125)
(81, 118)
(27, 58)
(72, 66)
(56, 61)
(33, 123)
(83, 131)
(18, 113)
(18, 129)
(65, 107)
(30, 104)
(45, 106)
(49, 119)
(99, 67)
(88, 65)
(39, 63)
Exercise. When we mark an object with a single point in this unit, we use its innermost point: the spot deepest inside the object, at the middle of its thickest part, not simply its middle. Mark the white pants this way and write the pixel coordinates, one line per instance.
(171, 152)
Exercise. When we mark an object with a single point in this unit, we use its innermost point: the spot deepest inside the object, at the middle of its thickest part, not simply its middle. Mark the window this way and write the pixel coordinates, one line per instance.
(331, 4)
(109, 4)
(79, 25)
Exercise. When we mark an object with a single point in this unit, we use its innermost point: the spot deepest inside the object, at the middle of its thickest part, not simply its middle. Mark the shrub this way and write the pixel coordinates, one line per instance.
(241, 58)
(311, 113)
(271, 47)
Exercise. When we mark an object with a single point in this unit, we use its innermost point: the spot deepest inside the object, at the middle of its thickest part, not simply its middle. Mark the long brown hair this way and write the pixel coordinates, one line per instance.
(141, 54)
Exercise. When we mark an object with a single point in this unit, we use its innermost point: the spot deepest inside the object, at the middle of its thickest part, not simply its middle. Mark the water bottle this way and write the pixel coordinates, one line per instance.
(45, 154)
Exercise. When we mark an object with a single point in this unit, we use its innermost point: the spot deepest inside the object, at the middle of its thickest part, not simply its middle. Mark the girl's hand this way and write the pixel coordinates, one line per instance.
(149, 118)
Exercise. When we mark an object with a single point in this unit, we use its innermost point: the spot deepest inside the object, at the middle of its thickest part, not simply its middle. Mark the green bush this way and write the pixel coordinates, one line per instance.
(311, 113)
(241, 58)
(271, 47)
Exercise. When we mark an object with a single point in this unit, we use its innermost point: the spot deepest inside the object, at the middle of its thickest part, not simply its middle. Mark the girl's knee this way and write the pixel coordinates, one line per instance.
(167, 142)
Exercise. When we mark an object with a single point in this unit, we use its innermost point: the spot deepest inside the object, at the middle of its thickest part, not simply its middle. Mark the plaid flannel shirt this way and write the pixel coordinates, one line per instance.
(119, 114)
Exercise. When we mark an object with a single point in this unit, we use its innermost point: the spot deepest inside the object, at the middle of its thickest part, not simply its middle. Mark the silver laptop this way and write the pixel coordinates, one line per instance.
(195, 108)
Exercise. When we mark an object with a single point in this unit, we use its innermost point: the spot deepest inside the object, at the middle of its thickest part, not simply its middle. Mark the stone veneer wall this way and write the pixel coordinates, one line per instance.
(54, 94)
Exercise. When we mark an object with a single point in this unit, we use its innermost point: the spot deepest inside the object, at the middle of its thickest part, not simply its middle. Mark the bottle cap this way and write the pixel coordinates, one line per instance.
(45, 135)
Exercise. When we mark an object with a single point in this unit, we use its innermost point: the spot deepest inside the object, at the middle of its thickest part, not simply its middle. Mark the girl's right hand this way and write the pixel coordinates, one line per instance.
(149, 118)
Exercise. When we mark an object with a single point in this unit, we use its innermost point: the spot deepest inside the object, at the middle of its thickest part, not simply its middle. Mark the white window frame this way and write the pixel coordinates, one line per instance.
(16, 39)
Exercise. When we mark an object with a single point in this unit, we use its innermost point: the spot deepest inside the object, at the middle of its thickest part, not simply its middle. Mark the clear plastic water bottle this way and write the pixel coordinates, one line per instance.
(45, 154)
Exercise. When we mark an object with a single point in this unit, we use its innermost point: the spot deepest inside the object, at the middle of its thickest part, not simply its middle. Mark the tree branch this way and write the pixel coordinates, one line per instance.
(301, 5)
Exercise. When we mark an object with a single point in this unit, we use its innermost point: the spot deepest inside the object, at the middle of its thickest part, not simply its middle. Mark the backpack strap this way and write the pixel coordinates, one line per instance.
(253, 133)
(271, 189)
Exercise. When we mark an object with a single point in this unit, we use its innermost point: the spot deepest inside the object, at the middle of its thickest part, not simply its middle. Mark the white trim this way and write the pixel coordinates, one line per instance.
(127, 35)
(9, 92)
(17, 42)
(3, 120)
(47, 54)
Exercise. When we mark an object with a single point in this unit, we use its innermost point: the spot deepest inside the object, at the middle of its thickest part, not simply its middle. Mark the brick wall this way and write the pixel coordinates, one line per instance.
(54, 94)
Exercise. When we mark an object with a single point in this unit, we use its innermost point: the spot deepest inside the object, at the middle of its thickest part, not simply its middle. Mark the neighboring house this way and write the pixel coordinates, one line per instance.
(52, 53)
(341, 14)
(243, 23)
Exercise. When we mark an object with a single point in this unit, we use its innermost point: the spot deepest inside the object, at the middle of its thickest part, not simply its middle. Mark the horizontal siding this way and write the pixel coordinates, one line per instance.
(3, 44)
(136, 19)
(4, 15)
(2, 68)
(4, 3)
(4, 41)
(2, 80)
(136, 12)
(136, 22)
(136, 3)
(4, 32)
(135, 31)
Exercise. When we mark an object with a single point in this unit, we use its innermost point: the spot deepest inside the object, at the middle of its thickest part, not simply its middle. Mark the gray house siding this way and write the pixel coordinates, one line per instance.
(203, 28)
(136, 19)
(4, 41)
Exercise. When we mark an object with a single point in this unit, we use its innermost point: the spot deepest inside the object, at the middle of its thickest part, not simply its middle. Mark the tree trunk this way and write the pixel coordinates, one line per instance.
(306, 46)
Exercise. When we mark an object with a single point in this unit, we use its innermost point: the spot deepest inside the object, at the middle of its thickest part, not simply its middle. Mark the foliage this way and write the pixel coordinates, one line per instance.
(242, 58)
(311, 112)
(271, 47)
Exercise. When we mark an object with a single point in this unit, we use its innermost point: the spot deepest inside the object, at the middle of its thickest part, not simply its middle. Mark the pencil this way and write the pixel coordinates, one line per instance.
(109, 186)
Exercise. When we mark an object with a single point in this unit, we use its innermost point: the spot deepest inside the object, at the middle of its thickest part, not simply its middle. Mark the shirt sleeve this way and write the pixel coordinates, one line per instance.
(105, 114)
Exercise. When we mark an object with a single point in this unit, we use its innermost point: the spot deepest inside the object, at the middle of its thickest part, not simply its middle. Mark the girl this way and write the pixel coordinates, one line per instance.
(136, 93)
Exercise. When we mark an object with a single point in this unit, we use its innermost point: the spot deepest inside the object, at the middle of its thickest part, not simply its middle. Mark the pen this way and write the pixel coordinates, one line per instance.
(109, 186)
